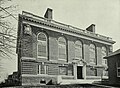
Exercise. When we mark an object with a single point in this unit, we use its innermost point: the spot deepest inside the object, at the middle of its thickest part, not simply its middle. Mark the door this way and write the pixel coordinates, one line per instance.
(79, 72)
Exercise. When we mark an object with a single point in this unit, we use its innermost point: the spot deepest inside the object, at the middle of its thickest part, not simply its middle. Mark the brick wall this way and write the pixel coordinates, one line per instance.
(34, 45)
(53, 69)
(90, 71)
(28, 67)
(71, 51)
(86, 51)
(53, 48)
(29, 49)
(70, 70)
(112, 69)
(35, 80)
(99, 71)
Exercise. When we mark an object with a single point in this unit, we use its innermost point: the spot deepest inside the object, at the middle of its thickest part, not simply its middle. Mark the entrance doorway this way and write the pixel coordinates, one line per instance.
(79, 72)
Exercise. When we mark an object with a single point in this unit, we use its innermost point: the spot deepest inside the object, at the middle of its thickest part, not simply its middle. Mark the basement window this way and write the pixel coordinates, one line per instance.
(42, 69)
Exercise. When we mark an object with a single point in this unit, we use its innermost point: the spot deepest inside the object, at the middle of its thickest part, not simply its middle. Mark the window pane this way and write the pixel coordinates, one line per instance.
(42, 37)
(104, 61)
(62, 48)
(42, 45)
(78, 49)
(118, 72)
(62, 41)
(41, 50)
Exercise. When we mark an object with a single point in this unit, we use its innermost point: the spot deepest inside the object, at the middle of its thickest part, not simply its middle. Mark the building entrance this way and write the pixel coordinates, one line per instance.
(79, 72)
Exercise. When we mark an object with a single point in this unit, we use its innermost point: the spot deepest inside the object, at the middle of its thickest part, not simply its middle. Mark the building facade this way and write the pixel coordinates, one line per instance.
(114, 67)
(50, 50)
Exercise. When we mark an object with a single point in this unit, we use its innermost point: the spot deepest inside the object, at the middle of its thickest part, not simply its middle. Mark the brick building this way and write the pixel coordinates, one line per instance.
(113, 60)
(51, 50)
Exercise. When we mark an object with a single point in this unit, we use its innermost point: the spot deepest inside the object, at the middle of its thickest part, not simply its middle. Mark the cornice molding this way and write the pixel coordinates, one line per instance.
(50, 24)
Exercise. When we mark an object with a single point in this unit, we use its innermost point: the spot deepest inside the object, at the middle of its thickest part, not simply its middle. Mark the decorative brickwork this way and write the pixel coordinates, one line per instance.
(56, 56)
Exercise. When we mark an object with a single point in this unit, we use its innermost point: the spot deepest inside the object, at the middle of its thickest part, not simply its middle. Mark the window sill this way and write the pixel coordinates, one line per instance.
(42, 74)
(28, 58)
(42, 57)
(105, 77)
(95, 77)
(62, 59)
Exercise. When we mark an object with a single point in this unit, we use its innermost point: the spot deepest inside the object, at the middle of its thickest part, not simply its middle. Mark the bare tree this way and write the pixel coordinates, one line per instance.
(8, 20)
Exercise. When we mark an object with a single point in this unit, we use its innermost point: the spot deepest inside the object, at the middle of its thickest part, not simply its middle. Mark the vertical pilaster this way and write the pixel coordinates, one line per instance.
(84, 72)
(75, 71)
(53, 49)
(71, 51)
(86, 51)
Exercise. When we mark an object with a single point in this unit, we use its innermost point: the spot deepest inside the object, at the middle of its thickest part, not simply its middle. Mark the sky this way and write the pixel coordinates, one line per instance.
(105, 14)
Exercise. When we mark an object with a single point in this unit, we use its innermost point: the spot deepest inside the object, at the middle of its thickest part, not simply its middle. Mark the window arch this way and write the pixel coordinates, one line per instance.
(78, 50)
(104, 53)
(62, 48)
(92, 54)
(42, 45)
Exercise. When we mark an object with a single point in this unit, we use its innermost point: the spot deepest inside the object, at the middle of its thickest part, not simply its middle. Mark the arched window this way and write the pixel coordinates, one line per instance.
(42, 45)
(92, 54)
(78, 50)
(62, 48)
(104, 53)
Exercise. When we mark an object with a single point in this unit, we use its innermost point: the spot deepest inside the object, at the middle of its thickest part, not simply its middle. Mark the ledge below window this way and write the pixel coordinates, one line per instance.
(28, 58)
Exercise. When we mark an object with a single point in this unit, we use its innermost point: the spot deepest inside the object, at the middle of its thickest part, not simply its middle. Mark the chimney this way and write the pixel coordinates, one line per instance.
(48, 14)
(91, 28)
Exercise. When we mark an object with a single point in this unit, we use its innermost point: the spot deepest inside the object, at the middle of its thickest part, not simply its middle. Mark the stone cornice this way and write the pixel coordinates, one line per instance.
(64, 27)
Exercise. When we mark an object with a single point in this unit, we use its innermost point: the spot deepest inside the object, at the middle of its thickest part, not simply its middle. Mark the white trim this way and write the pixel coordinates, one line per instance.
(44, 42)
(105, 77)
(27, 58)
(62, 59)
(39, 67)
(117, 71)
(83, 71)
(41, 57)
(96, 77)
(37, 75)
(45, 68)
(65, 49)
(66, 32)
(80, 49)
